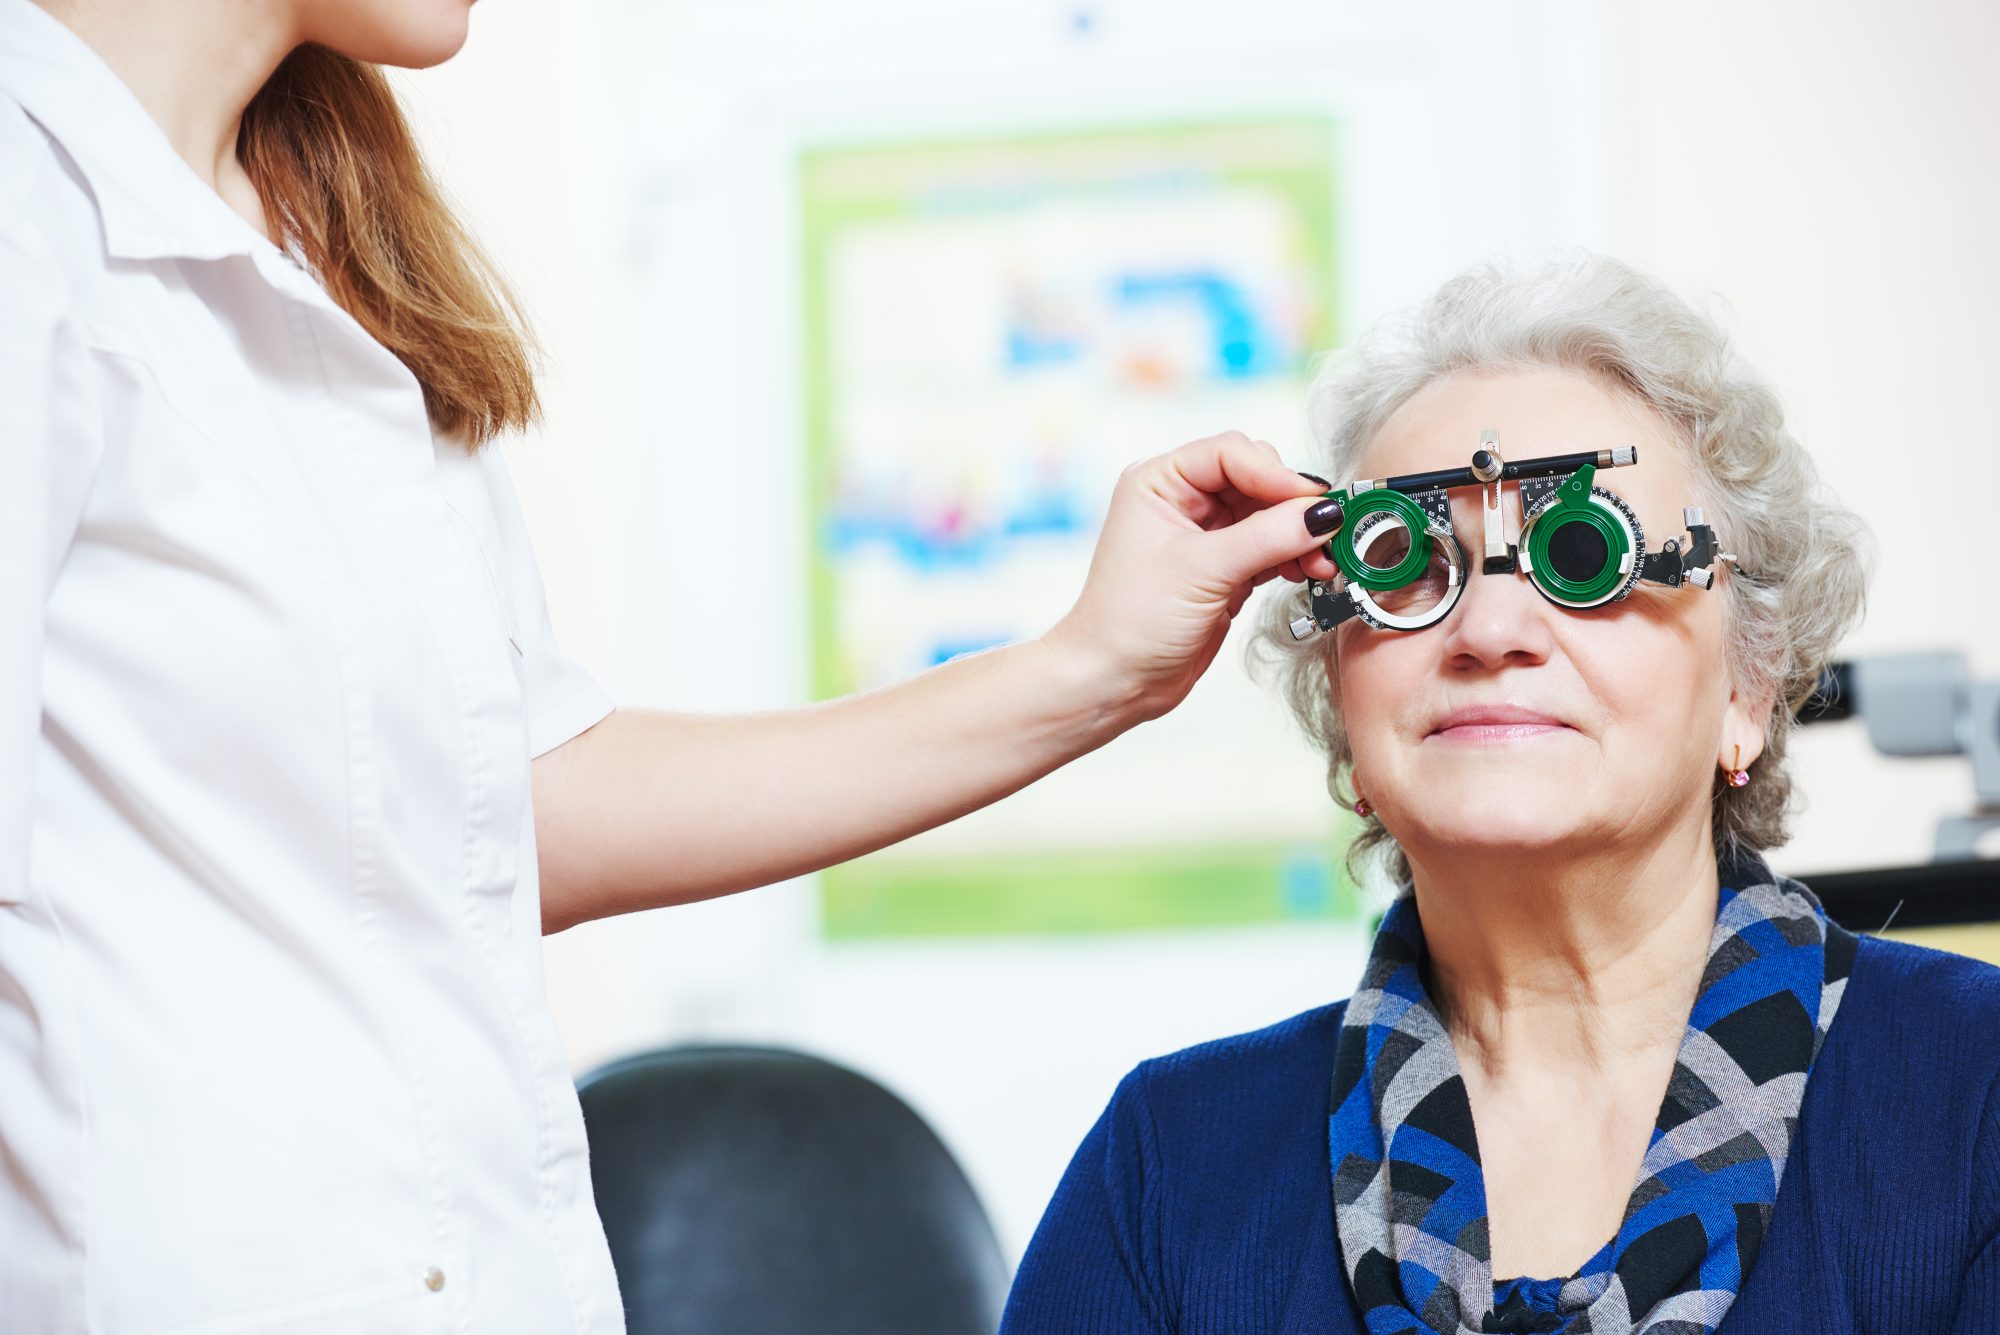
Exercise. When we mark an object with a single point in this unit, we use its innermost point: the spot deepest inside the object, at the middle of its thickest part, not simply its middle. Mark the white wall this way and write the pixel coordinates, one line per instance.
(1827, 169)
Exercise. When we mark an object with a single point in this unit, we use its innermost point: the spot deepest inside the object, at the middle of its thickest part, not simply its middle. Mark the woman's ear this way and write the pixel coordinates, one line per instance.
(1745, 723)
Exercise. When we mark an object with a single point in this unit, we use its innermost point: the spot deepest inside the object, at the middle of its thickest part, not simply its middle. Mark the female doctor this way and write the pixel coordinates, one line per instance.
(292, 775)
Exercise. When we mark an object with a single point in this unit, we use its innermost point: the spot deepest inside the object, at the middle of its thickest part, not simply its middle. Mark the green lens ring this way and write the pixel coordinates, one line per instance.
(1380, 618)
(1341, 545)
(1576, 501)
(1572, 592)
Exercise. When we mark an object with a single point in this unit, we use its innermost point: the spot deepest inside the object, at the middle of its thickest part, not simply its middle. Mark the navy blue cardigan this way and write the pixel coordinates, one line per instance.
(1202, 1200)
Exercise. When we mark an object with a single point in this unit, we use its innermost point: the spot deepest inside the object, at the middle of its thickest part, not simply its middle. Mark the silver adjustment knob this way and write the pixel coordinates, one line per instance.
(1701, 577)
(1304, 628)
(1487, 464)
(1690, 515)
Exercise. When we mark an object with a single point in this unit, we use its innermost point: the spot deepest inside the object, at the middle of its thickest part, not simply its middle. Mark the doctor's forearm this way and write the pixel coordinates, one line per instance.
(650, 808)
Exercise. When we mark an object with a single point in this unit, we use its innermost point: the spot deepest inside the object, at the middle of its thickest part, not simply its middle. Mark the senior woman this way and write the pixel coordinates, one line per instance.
(1604, 1071)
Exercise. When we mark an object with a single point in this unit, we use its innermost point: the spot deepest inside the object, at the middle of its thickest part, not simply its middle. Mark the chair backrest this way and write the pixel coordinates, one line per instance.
(764, 1191)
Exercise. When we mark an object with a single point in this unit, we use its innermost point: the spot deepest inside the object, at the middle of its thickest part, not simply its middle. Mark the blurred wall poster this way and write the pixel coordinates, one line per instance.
(993, 329)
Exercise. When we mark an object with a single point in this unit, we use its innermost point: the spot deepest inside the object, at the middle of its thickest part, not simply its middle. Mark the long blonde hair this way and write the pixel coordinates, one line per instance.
(339, 175)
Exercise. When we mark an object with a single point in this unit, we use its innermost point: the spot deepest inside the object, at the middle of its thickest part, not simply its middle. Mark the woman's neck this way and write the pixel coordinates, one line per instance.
(194, 65)
(1542, 965)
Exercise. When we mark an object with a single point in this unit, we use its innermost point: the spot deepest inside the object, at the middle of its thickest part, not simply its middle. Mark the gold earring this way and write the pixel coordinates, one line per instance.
(1738, 776)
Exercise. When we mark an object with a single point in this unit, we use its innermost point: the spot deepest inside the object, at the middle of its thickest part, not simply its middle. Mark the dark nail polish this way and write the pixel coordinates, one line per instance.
(1315, 477)
(1323, 518)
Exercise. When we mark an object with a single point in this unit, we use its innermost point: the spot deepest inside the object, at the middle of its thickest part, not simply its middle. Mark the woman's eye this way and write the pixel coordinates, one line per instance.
(1419, 595)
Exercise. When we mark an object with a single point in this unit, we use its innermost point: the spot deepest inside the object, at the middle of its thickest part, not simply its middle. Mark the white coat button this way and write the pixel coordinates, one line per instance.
(434, 1279)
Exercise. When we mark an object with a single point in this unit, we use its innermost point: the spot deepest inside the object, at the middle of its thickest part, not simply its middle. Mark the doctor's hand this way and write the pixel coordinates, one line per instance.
(1189, 536)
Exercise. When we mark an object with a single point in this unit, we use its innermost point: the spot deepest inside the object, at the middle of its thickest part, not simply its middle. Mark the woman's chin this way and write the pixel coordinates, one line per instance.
(1469, 820)
(1554, 771)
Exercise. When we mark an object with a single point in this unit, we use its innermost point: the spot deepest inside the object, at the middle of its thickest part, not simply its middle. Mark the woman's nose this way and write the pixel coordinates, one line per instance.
(1500, 621)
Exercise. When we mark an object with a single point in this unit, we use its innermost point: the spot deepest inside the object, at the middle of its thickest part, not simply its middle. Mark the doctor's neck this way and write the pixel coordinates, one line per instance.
(197, 66)
(194, 65)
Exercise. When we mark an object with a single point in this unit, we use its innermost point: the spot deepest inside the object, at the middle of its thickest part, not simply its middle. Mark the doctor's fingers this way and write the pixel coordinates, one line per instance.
(1226, 470)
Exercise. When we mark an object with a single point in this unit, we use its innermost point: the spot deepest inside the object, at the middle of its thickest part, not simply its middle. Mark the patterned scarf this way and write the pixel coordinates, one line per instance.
(1412, 1221)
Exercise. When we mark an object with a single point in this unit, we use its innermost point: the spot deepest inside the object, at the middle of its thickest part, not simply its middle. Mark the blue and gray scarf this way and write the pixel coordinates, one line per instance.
(1412, 1217)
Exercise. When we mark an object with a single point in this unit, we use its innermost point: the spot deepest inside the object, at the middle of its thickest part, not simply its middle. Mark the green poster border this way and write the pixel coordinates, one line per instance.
(1049, 892)
(1087, 891)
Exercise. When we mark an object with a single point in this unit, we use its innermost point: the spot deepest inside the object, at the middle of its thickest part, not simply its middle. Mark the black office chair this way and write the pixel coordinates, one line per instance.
(765, 1192)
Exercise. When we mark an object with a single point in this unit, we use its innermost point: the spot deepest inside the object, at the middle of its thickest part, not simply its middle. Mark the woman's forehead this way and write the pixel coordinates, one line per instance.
(1536, 411)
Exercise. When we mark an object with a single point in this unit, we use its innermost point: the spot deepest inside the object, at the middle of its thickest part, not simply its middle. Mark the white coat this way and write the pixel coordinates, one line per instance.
(275, 1053)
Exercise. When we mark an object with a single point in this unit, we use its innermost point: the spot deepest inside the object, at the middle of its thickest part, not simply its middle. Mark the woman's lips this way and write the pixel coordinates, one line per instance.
(1495, 725)
(1495, 734)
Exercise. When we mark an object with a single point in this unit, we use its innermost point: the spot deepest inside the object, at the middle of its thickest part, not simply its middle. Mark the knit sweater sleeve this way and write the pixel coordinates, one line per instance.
(1093, 1264)
(1979, 1295)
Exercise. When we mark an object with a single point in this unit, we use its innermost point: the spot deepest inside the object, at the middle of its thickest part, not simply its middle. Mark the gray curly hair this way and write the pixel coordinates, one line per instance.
(1804, 558)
